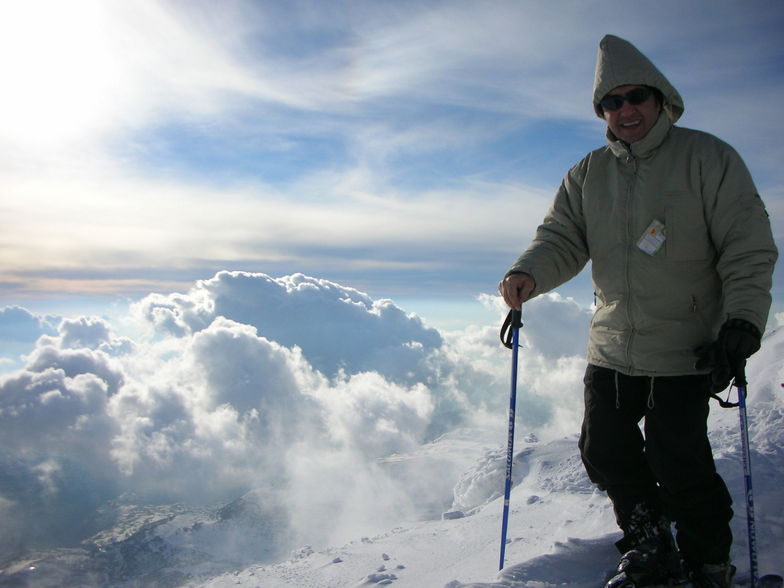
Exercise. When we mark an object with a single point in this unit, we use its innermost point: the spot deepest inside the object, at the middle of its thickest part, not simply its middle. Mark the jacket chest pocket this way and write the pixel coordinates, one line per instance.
(688, 238)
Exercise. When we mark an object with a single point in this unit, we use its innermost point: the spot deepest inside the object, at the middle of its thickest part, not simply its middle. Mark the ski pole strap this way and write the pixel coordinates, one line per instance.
(740, 383)
(726, 403)
(513, 320)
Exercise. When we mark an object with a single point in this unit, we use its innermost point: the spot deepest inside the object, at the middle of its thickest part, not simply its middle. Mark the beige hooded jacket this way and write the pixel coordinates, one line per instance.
(716, 262)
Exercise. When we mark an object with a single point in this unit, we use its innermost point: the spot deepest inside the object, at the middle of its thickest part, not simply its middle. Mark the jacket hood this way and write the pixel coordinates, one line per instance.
(619, 63)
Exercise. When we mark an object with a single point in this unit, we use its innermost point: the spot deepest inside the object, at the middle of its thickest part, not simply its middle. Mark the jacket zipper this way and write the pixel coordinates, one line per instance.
(630, 159)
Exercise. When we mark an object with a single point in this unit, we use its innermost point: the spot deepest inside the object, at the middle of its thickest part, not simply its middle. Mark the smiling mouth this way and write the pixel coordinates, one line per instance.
(631, 124)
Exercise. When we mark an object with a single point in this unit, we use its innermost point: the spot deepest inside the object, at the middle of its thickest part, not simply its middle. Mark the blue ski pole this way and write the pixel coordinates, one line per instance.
(511, 327)
(740, 383)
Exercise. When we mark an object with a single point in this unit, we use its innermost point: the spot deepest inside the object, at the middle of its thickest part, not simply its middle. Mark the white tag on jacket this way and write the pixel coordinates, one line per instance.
(653, 238)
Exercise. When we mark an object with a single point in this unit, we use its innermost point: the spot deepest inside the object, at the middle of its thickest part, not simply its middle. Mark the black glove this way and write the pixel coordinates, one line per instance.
(726, 357)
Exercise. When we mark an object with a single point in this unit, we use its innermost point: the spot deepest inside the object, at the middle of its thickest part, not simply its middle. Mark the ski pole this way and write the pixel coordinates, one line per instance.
(740, 384)
(511, 327)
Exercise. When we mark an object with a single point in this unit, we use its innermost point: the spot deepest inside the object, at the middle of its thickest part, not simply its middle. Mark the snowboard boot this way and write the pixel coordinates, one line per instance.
(714, 576)
(650, 557)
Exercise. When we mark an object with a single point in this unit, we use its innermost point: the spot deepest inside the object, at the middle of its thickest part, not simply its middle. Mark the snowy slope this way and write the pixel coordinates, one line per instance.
(553, 501)
(561, 529)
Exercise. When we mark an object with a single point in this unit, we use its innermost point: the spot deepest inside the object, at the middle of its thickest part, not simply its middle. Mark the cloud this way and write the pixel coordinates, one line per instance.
(558, 326)
(19, 325)
(223, 405)
(46, 412)
(337, 328)
(551, 358)
(464, 55)
(106, 228)
(377, 419)
(394, 146)
(19, 328)
(294, 386)
(96, 67)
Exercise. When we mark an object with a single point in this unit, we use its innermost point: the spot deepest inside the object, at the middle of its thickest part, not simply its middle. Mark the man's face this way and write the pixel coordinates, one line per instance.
(631, 122)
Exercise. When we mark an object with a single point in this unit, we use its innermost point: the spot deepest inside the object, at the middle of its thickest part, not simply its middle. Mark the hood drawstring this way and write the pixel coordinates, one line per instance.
(650, 394)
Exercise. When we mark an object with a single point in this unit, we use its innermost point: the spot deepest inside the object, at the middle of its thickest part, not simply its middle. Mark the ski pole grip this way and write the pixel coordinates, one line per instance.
(513, 321)
(517, 318)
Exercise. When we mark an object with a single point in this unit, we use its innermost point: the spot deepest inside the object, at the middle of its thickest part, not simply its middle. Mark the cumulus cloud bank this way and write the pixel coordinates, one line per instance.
(292, 386)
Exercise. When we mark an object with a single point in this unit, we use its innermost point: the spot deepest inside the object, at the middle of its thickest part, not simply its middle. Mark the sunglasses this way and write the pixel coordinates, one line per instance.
(634, 97)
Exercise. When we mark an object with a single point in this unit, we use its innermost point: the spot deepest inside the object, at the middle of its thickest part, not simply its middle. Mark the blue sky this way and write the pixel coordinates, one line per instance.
(407, 149)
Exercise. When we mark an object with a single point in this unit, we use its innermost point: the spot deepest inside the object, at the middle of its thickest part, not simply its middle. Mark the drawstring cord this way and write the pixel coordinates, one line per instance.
(650, 403)
(650, 394)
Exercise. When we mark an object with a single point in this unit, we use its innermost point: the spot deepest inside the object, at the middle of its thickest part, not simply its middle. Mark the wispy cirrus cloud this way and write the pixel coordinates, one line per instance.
(154, 138)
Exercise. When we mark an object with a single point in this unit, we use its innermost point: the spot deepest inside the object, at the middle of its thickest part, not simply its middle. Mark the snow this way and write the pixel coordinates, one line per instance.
(561, 529)
(551, 503)
(350, 493)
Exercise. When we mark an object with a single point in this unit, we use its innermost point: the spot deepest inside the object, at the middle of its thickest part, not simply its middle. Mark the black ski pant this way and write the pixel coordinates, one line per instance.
(669, 468)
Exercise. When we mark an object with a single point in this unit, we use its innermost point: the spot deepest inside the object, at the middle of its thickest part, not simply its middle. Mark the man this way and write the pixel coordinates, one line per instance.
(682, 257)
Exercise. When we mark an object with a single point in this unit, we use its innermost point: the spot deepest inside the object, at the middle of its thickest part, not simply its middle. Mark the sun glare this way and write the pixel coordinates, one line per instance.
(59, 76)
